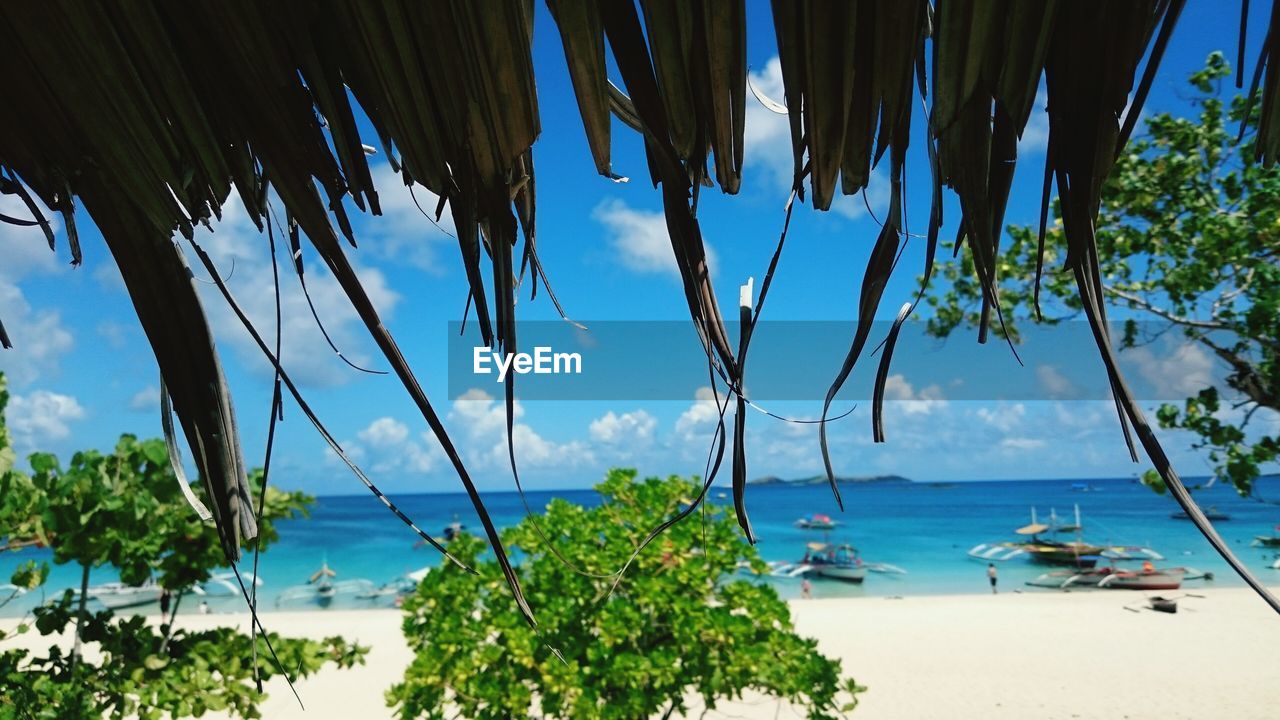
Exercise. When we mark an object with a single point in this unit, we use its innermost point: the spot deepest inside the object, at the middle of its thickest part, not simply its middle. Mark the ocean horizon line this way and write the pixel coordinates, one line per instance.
(755, 485)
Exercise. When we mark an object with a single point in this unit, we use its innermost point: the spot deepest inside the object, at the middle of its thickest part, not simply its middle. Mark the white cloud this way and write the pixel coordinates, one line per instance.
(482, 421)
(766, 134)
(242, 258)
(908, 399)
(632, 428)
(1186, 371)
(146, 400)
(41, 417)
(767, 149)
(354, 452)
(1055, 384)
(1022, 443)
(402, 233)
(384, 432)
(388, 448)
(38, 336)
(480, 414)
(640, 239)
(116, 334)
(1003, 417)
(704, 413)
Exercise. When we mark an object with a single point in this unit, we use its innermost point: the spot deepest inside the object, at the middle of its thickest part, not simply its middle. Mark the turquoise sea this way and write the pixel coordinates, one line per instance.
(925, 528)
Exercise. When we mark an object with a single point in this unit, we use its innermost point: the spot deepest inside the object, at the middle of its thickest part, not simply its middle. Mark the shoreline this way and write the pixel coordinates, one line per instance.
(1013, 655)
(232, 607)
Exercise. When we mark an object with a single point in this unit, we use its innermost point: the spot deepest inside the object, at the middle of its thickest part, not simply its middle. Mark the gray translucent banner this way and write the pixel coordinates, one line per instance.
(797, 360)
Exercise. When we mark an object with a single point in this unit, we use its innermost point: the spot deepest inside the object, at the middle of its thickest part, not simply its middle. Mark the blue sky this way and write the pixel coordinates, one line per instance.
(82, 373)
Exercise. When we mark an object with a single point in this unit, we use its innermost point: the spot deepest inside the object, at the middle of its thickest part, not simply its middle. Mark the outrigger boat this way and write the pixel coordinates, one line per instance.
(403, 585)
(1111, 577)
(1057, 526)
(1077, 553)
(119, 596)
(817, 522)
(321, 589)
(1272, 541)
(1050, 552)
(833, 562)
(450, 532)
(225, 584)
(13, 590)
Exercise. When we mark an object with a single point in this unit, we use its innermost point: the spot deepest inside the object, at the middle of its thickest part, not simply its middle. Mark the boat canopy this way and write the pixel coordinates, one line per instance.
(816, 547)
(1032, 529)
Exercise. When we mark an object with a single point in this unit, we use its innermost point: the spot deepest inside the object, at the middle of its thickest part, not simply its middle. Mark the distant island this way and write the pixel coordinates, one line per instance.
(822, 480)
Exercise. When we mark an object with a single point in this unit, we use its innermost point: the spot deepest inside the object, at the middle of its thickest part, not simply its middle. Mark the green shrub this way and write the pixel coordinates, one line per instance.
(676, 625)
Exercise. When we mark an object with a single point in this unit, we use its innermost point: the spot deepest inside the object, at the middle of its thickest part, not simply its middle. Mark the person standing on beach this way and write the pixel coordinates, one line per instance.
(806, 589)
(991, 575)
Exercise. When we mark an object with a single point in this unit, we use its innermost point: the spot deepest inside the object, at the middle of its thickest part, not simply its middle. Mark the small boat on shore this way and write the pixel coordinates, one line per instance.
(817, 521)
(1111, 577)
(1145, 579)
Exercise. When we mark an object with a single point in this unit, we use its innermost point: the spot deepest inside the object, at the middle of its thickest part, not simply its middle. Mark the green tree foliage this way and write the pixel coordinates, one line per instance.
(1189, 240)
(147, 674)
(676, 625)
(125, 509)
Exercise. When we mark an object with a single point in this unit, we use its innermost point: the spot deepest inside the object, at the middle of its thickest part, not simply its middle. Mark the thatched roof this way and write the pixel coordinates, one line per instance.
(151, 114)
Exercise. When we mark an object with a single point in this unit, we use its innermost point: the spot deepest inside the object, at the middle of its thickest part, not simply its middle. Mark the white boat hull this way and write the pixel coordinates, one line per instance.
(996, 551)
(1162, 580)
(118, 598)
(1168, 579)
(844, 574)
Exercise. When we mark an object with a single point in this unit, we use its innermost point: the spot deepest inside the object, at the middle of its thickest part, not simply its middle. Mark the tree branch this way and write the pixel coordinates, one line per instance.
(1146, 305)
(80, 613)
(19, 544)
(1244, 376)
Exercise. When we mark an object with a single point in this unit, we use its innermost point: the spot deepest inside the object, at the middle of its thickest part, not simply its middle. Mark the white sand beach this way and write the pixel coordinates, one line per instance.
(1014, 655)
